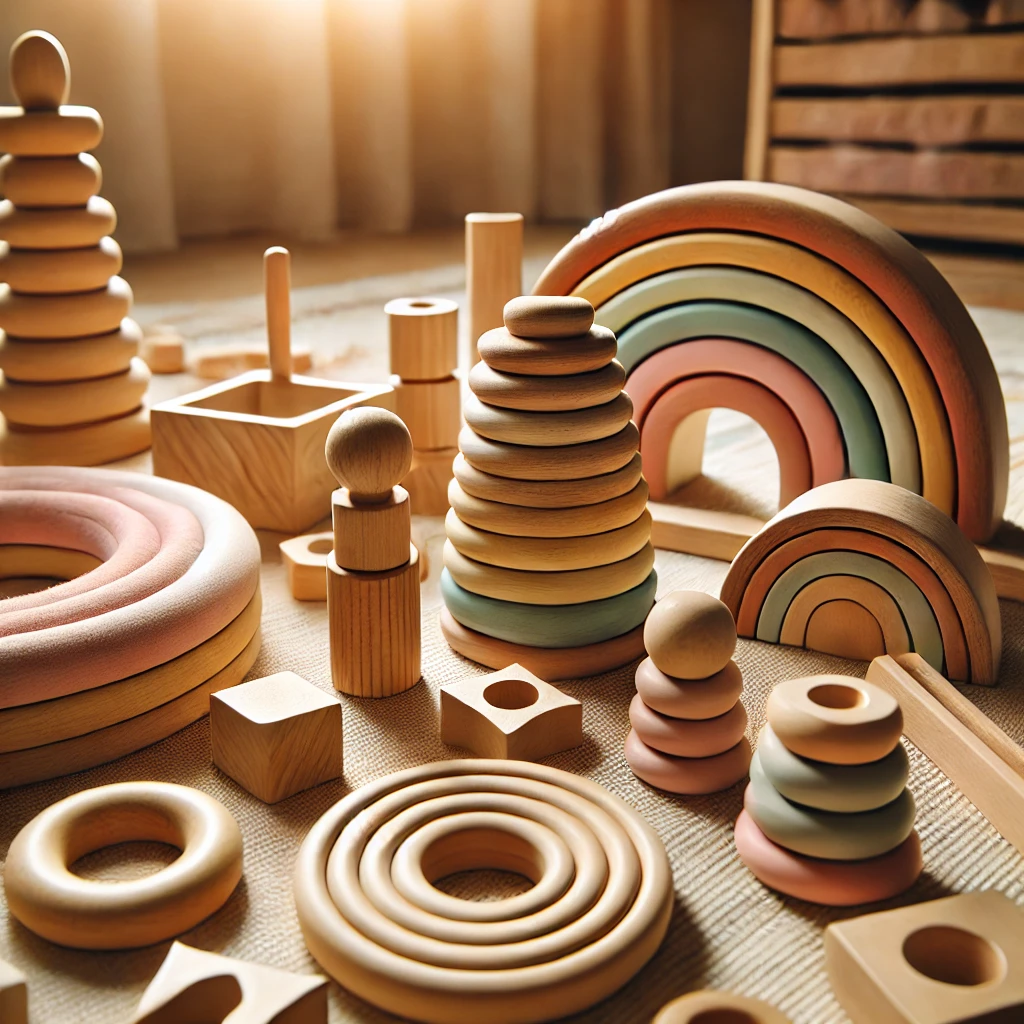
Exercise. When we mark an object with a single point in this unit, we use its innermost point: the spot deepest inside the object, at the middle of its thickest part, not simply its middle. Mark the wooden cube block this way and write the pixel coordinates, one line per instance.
(258, 443)
(510, 714)
(277, 735)
(163, 349)
(305, 561)
(950, 960)
(13, 995)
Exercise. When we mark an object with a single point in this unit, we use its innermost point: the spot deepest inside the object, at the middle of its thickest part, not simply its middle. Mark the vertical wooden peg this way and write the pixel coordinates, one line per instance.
(494, 270)
(277, 286)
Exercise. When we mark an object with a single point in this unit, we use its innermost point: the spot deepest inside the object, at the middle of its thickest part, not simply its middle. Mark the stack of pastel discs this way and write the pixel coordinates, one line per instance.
(549, 544)
(827, 816)
(687, 720)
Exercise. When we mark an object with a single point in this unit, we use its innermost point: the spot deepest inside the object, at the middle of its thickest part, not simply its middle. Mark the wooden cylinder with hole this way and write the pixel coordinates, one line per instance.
(431, 410)
(423, 339)
(371, 537)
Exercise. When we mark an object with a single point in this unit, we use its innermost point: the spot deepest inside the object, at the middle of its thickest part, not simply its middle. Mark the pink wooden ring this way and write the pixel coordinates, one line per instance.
(696, 394)
(832, 883)
(683, 738)
(144, 569)
(688, 698)
(212, 592)
(798, 392)
(691, 775)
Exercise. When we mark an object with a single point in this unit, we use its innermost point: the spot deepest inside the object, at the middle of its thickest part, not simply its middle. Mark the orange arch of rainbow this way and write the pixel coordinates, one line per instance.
(843, 301)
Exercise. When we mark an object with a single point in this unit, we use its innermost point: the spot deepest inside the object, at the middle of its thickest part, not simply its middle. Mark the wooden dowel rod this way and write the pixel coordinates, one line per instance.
(277, 285)
(494, 270)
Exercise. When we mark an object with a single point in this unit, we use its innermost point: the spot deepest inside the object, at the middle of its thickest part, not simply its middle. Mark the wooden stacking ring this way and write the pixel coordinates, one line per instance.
(692, 775)
(558, 972)
(547, 316)
(548, 429)
(546, 394)
(548, 357)
(683, 738)
(689, 698)
(711, 1007)
(48, 898)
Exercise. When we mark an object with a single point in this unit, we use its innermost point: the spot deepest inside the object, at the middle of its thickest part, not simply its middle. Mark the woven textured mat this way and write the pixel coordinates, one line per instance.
(727, 930)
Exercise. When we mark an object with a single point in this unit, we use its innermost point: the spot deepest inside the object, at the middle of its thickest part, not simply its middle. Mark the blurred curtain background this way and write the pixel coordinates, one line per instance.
(302, 116)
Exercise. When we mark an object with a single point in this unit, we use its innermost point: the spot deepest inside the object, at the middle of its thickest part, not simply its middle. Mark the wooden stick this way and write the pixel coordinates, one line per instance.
(277, 283)
(759, 92)
(494, 270)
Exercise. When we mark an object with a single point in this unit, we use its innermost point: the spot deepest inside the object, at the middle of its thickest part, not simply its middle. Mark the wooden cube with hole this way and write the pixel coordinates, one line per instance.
(510, 714)
(277, 735)
(949, 960)
(305, 561)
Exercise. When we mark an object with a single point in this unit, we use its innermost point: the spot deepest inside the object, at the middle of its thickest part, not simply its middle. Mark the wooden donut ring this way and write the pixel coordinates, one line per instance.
(74, 228)
(690, 775)
(49, 181)
(520, 521)
(211, 593)
(546, 357)
(692, 699)
(834, 883)
(72, 315)
(684, 738)
(683, 402)
(46, 361)
(51, 271)
(49, 899)
(63, 132)
(707, 1006)
(548, 429)
(547, 394)
(571, 462)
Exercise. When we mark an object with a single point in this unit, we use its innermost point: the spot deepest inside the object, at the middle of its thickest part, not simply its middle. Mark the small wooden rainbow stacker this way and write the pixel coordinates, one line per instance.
(257, 440)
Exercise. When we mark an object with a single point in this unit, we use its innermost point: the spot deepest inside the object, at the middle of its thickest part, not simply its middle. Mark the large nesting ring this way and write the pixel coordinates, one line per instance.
(597, 912)
(45, 896)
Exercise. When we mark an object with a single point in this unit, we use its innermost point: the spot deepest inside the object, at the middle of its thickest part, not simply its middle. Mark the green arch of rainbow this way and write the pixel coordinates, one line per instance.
(841, 299)
(894, 539)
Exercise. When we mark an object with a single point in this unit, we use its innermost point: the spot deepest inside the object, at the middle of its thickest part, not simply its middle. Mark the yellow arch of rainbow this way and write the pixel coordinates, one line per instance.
(835, 296)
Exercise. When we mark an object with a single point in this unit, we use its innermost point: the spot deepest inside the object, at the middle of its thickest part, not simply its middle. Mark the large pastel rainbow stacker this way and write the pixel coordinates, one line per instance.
(549, 560)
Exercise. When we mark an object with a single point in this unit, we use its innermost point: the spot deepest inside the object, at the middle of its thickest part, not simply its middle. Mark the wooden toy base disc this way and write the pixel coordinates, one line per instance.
(550, 663)
(89, 445)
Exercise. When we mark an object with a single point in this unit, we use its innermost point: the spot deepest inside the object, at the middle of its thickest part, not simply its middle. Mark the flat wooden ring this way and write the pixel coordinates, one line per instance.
(71, 315)
(64, 404)
(75, 228)
(124, 641)
(547, 357)
(547, 554)
(551, 663)
(520, 521)
(569, 462)
(818, 423)
(18, 561)
(547, 987)
(693, 699)
(547, 394)
(548, 429)
(834, 883)
(49, 181)
(863, 592)
(48, 898)
(63, 132)
(690, 397)
(690, 775)
(736, 284)
(44, 361)
(835, 719)
(862, 432)
(900, 276)
(843, 788)
(703, 1007)
(572, 625)
(573, 586)
(685, 738)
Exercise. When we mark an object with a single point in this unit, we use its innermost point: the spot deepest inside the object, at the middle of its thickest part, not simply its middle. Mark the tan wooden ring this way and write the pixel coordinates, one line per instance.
(49, 181)
(548, 429)
(708, 1006)
(835, 719)
(548, 554)
(65, 404)
(69, 228)
(570, 587)
(547, 394)
(48, 898)
(545, 493)
(569, 462)
(44, 361)
(547, 357)
(72, 315)
(520, 521)
(63, 132)
(682, 737)
(19, 561)
(124, 641)
(51, 271)
(542, 990)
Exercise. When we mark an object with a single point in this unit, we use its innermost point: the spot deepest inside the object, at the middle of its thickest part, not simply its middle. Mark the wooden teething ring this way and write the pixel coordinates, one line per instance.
(47, 897)
(556, 973)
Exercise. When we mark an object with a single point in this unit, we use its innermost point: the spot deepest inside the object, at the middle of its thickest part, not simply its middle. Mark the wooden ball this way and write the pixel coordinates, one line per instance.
(548, 316)
(690, 635)
(369, 451)
(40, 73)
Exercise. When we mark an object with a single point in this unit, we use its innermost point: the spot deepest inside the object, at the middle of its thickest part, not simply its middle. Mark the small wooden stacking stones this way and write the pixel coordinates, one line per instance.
(827, 816)
(424, 355)
(687, 720)
(549, 539)
(373, 581)
(73, 387)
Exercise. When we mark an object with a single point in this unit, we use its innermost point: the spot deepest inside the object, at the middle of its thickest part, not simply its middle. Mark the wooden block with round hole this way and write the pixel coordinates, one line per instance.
(431, 409)
(548, 357)
(942, 962)
(276, 736)
(510, 714)
(63, 132)
(494, 269)
(547, 394)
(54, 271)
(423, 338)
(305, 562)
(43, 360)
(13, 995)
(50, 181)
(427, 481)
(70, 227)
(65, 316)
(712, 1007)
